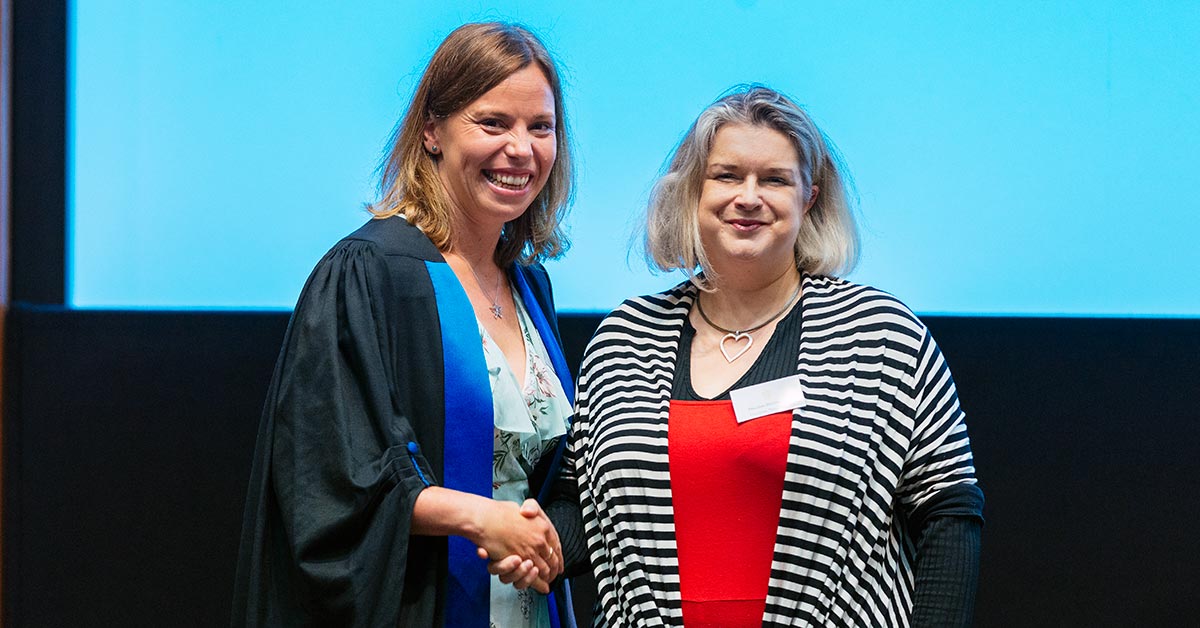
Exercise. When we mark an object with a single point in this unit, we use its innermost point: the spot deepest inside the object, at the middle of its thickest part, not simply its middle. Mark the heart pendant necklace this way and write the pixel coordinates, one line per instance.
(734, 338)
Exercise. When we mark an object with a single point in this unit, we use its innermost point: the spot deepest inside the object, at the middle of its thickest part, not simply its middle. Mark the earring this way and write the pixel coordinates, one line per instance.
(433, 149)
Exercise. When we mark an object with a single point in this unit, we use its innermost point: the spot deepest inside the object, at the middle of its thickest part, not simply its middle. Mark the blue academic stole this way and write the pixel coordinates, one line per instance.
(469, 430)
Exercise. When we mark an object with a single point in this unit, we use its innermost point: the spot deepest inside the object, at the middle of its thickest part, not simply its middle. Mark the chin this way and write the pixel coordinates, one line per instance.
(765, 260)
(509, 214)
(743, 253)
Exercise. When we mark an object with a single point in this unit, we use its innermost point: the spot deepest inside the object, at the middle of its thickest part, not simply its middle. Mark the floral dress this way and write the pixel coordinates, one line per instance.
(529, 419)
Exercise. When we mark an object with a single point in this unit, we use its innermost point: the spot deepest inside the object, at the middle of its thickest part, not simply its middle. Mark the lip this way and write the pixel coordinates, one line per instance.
(490, 176)
(745, 224)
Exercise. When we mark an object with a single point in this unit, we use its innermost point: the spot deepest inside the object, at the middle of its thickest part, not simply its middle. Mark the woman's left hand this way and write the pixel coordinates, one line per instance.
(517, 571)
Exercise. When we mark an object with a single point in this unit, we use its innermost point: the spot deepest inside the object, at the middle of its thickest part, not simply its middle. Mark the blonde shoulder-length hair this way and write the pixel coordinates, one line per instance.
(828, 242)
(470, 61)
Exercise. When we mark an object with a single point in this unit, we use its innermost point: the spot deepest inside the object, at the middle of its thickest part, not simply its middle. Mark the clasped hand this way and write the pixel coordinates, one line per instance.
(521, 545)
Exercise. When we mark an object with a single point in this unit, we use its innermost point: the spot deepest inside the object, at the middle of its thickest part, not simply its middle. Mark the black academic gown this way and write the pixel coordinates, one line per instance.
(352, 431)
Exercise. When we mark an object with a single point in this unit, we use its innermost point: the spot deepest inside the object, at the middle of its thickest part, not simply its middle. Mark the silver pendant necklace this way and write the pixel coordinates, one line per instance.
(742, 335)
(497, 310)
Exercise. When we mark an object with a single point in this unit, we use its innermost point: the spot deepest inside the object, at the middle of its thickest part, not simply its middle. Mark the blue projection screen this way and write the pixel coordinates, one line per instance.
(1012, 158)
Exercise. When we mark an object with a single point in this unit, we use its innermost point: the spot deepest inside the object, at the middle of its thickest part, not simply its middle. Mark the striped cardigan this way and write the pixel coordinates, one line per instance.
(881, 431)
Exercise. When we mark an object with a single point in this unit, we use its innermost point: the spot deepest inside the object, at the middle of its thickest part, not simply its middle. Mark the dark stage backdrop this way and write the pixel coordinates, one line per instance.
(129, 440)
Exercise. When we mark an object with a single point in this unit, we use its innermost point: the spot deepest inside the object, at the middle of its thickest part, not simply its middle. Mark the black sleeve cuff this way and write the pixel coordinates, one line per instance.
(958, 500)
(568, 522)
(947, 572)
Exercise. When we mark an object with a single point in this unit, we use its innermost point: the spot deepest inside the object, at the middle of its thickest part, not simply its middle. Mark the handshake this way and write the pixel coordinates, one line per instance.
(520, 544)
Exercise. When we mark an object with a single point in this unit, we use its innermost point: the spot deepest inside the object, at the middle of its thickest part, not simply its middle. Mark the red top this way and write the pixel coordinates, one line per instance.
(727, 489)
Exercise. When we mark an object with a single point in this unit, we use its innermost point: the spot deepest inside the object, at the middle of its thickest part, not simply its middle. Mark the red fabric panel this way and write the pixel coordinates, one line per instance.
(726, 488)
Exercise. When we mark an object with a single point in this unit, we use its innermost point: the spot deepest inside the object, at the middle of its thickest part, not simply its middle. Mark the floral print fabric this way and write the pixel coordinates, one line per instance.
(529, 420)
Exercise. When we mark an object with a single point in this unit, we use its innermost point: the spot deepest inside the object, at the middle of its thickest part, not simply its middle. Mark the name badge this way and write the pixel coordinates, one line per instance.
(766, 398)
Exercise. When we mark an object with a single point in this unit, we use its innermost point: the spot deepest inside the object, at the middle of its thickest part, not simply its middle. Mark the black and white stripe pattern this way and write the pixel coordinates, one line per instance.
(880, 432)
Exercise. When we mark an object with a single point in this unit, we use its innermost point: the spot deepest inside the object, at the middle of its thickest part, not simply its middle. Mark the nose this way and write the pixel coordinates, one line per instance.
(520, 144)
(748, 197)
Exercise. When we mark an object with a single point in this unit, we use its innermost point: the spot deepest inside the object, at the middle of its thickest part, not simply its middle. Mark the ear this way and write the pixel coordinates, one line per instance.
(429, 136)
(812, 198)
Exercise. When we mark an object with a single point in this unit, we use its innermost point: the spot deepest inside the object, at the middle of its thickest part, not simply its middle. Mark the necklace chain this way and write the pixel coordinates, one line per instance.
(495, 307)
(739, 335)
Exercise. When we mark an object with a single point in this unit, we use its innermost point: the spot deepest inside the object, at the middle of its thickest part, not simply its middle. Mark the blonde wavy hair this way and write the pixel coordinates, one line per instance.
(828, 241)
(469, 62)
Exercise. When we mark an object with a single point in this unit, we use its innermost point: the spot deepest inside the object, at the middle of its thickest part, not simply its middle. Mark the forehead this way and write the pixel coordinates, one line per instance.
(746, 144)
(526, 89)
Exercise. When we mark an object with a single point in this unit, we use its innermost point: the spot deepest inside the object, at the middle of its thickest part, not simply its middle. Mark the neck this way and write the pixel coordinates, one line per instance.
(475, 244)
(738, 304)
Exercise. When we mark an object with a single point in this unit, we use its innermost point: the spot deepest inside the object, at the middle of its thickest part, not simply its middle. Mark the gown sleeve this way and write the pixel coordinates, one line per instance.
(338, 466)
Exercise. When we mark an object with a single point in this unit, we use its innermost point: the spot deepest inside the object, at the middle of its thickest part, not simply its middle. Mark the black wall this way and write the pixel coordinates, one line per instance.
(129, 438)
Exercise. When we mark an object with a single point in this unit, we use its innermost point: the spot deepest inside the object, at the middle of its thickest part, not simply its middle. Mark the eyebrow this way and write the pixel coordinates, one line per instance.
(772, 170)
(496, 113)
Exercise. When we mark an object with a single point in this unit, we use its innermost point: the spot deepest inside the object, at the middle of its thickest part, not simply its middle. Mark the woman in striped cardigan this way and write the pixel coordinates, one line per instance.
(766, 444)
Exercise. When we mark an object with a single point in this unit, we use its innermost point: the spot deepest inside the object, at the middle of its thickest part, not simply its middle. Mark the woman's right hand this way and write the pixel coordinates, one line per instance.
(526, 542)
(498, 528)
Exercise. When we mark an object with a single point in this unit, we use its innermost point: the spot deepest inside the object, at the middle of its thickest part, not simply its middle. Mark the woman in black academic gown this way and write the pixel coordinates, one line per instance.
(421, 395)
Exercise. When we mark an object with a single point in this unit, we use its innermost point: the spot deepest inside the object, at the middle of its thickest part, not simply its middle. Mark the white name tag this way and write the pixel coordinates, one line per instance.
(766, 398)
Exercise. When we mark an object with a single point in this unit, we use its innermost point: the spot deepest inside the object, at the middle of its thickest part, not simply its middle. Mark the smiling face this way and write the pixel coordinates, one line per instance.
(495, 155)
(753, 200)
